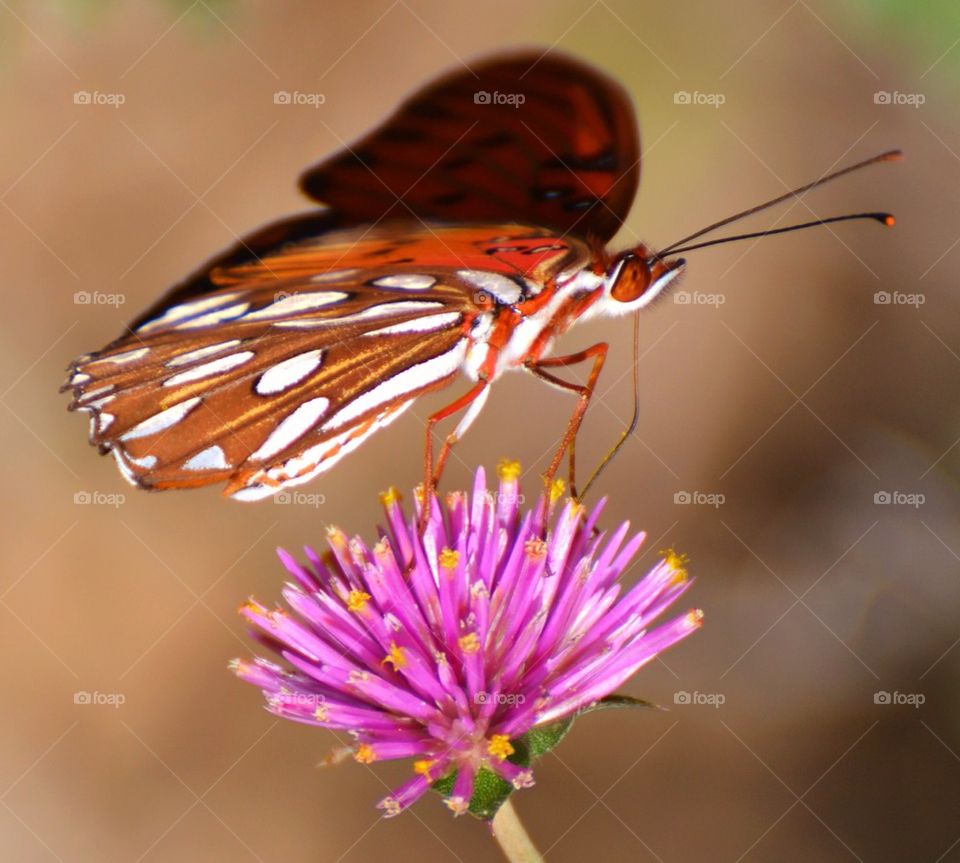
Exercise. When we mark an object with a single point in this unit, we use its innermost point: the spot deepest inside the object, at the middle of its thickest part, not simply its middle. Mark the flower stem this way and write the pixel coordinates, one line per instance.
(510, 833)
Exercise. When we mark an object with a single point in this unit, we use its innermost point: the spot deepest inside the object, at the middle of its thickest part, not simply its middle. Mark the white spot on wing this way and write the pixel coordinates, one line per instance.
(104, 421)
(125, 468)
(426, 324)
(163, 420)
(294, 303)
(125, 357)
(147, 462)
(504, 290)
(404, 382)
(334, 276)
(92, 394)
(292, 427)
(179, 314)
(382, 310)
(321, 457)
(212, 458)
(214, 367)
(289, 372)
(96, 404)
(215, 317)
(407, 281)
(201, 353)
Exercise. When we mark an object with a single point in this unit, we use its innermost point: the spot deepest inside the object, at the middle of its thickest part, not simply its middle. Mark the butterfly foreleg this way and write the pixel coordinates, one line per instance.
(472, 401)
(598, 354)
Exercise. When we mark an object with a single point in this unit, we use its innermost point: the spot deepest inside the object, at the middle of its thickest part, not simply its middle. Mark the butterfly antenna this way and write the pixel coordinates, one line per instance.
(634, 420)
(886, 218)
(883, 218)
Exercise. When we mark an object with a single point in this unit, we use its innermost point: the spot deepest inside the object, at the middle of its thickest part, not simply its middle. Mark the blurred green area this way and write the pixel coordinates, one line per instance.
(90, 11)
(927, 29)
(922, 30)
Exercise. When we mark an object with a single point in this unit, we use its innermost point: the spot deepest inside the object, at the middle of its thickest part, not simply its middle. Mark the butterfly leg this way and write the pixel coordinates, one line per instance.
(598, 354)
(473, 401)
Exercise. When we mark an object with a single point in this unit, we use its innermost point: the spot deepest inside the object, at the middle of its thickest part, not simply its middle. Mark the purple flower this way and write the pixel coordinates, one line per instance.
(490, 632)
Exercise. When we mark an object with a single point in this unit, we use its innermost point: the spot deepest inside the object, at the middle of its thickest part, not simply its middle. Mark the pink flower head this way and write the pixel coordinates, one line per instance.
(447, 649)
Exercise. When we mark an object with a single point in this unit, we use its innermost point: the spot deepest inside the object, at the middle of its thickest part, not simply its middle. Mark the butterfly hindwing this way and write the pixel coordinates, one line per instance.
(534, 138)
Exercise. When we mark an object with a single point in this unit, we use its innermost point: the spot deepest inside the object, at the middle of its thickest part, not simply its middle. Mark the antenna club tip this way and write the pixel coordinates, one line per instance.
(889, 220)
(893, 155)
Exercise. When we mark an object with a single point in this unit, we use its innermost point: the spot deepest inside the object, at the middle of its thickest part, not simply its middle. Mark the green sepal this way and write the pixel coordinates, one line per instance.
(490, 792)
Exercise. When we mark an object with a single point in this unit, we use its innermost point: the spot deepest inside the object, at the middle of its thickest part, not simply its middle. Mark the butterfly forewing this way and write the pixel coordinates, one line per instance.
(288, 362)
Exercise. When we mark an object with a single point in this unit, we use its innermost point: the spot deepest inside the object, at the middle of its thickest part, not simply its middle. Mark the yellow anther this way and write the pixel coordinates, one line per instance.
(509, 470)
(677, 563)
(335, 536)
(469, 643)
(499, 746)
(449, 558)
(423, 767)
(396, 657)
(357, 600)
(364, 754)
(557, 488)
(321, 714)
(390, 496)
(695, 617)
(253, 607)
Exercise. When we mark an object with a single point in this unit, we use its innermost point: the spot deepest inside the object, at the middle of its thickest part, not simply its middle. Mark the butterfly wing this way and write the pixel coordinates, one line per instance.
(544, 140)
(290, 361)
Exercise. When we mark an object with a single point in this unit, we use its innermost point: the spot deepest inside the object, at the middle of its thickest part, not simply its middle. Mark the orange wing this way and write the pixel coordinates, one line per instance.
(287, 363)
(532, 138)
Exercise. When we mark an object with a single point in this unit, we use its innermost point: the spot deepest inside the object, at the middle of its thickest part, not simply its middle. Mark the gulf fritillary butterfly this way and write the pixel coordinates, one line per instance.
(461, 236)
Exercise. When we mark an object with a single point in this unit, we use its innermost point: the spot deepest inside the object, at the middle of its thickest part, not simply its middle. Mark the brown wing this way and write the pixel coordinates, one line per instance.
(287, 363)
(542, 140)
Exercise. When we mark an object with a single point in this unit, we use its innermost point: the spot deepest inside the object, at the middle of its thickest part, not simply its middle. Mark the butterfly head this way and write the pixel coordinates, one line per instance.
(637, 277)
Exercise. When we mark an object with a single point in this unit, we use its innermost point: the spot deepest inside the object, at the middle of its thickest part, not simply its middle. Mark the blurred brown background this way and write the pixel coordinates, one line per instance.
(784, 386)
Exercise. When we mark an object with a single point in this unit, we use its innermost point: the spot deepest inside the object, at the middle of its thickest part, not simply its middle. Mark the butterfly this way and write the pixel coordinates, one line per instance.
(457, 240)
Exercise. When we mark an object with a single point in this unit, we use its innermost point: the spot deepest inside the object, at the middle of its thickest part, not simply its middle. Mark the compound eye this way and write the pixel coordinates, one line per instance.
(632, 281)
